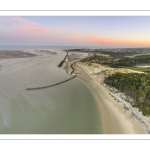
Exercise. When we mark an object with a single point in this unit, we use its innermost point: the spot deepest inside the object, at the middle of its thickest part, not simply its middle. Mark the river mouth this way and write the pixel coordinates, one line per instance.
(68, 108)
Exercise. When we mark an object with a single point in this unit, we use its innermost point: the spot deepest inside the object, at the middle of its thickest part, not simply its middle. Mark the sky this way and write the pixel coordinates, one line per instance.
(101, 31)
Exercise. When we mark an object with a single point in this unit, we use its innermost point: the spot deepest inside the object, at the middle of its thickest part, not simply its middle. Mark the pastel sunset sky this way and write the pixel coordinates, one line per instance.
(102, 31)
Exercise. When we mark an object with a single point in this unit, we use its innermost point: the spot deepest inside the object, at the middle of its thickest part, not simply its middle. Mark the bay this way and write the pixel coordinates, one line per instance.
(68, 108)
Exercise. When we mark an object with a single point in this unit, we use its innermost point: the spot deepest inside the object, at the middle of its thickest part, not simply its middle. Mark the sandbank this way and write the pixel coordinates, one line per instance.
(115, 119)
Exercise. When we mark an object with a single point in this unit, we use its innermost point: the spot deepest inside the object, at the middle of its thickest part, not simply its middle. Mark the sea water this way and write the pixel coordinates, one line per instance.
(68, 108)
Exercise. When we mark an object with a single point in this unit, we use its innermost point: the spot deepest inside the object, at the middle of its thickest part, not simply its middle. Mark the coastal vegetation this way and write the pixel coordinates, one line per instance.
(135, 86)
(129, 60)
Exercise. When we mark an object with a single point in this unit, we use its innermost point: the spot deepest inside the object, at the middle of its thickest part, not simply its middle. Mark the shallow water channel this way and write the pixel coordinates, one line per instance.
(68, 108)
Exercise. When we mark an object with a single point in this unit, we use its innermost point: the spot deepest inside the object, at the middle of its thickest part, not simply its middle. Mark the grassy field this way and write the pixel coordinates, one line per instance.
(135, 55)
(146, 70)
(121, 60)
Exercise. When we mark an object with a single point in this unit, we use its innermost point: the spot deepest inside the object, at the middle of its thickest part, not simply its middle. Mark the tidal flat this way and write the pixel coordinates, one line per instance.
(68, 108)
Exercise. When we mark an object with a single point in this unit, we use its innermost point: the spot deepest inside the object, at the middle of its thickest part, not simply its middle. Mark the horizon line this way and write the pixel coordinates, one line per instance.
(103, 47)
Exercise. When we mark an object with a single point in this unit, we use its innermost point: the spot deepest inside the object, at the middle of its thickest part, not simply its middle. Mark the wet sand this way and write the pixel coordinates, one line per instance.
(6, 54)
(114, 118)
(18, 74)
(62, 109)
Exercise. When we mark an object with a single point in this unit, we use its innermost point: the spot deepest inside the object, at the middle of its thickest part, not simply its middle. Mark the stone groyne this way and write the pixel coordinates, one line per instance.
(72, 68)
(61, 63)
(36, 88)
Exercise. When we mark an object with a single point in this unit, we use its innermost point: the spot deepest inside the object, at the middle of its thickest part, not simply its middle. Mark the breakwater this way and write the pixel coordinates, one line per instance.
(75, 62)
(36, 88)
(61, 63)
(72, 67)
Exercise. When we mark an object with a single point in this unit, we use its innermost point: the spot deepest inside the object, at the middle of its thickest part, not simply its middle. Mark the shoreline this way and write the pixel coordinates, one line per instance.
(115, 119)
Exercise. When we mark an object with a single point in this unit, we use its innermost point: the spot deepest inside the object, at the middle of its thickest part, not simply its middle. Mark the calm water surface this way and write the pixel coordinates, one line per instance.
(69, 108)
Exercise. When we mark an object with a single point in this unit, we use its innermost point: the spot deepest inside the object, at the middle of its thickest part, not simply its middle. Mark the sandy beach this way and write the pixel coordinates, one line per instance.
(102, 110)
(115, 119)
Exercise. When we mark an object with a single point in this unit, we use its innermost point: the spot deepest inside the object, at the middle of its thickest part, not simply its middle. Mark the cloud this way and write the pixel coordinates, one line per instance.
(65, 38)
(23, 20)
(91, 38)
(39, 30)
(109, 40)
(97, 39)
(4, 19)
(18, 19)
(32, 29)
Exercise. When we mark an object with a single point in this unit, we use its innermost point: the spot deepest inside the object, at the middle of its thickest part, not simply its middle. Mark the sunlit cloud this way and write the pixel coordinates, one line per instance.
(17, 19)
(77, 31)
(23, 20)
(32, 29)
(111, 41)
(74, 38)
(96, 39)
